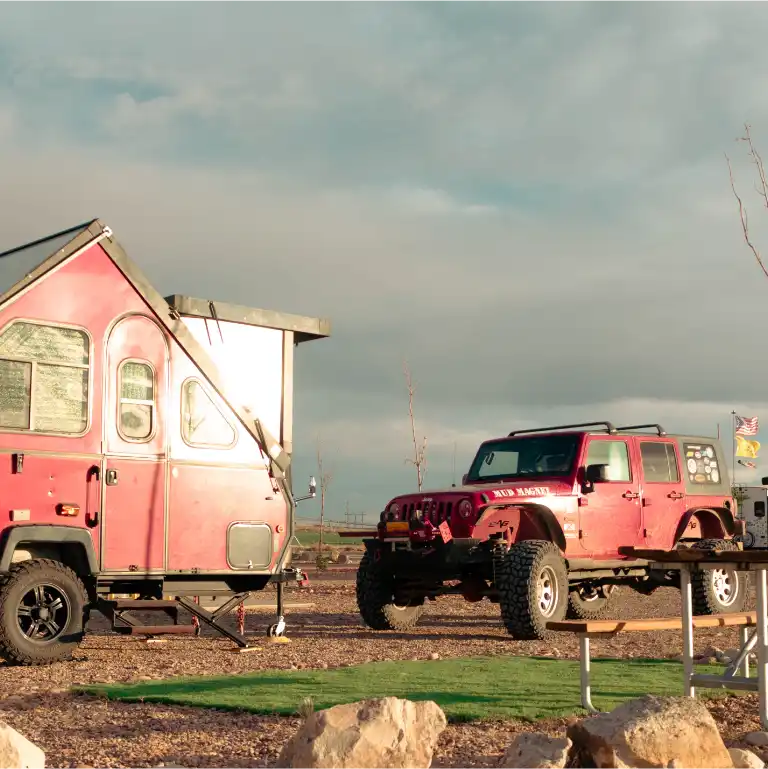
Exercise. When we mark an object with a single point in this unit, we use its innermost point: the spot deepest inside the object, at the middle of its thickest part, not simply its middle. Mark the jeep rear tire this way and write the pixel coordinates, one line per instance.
(718, 591)
(532, 582)
(376, 599)
(590, 603)
(42, 613)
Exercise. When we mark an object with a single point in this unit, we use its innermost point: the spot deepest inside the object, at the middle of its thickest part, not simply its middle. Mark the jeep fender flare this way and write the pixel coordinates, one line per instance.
(539, 514)
(711, 519)
(48, 534)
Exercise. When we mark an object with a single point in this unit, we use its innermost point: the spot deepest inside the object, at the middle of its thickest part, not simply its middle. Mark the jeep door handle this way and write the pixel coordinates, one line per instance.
(630, 495)
(675, 495)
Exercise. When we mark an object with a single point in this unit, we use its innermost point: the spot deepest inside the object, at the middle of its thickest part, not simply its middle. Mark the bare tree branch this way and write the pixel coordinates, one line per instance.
(325, 481)
(742, 209)
(419, 460)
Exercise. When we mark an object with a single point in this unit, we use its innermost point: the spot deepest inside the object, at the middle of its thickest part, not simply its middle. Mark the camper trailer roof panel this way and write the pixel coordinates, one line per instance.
(304, 328)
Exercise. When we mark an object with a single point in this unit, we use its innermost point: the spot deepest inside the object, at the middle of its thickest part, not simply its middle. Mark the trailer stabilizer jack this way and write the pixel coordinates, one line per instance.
(212, 619)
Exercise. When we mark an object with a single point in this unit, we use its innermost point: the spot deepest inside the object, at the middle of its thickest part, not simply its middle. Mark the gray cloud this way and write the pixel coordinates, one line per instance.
(528, 202)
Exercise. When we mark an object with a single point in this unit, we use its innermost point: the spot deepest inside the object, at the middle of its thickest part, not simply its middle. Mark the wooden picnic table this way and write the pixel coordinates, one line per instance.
(687, 561)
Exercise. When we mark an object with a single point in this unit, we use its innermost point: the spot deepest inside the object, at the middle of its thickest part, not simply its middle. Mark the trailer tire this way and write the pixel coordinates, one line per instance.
(376, 599)
(46, 598)
(589, 607)
(718, 591)
(532, 582)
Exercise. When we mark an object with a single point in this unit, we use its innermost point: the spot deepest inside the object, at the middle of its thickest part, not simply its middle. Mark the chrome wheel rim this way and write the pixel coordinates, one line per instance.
(547, 591)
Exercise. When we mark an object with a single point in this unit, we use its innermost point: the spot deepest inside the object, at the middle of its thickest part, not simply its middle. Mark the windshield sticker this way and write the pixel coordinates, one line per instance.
(701, 463)
(529, 491)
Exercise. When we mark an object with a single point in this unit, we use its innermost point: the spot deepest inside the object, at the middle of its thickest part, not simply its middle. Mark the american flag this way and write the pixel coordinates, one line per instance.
(746, 425)
(750, 465)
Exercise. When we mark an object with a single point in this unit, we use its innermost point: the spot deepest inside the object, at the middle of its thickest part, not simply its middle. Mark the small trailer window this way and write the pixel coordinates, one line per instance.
(137, 400)
(44, 378)
(202, 423)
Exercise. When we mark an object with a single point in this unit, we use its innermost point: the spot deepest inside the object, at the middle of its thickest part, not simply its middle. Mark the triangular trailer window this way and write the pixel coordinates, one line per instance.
(17, 263)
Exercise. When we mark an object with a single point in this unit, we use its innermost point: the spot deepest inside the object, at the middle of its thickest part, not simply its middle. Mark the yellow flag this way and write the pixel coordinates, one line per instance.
(745, 448)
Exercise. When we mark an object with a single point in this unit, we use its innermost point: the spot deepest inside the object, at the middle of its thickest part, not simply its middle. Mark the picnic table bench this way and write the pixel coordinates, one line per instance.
(607, 628)
(687, 561)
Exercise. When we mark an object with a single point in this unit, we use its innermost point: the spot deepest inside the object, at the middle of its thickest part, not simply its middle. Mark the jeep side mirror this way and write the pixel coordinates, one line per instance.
(764, 481)
(597, 474)
(464, 479)
(312, 490)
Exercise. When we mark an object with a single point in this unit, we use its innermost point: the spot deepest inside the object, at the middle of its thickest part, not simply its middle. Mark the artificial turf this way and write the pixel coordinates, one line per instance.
(467, 689)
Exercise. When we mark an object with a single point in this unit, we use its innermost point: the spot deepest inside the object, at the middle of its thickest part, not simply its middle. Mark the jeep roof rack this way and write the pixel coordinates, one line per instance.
(607, 425)
(659, 429)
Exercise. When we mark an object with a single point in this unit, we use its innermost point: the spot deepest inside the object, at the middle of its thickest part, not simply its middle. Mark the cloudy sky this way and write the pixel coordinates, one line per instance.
(528, 202)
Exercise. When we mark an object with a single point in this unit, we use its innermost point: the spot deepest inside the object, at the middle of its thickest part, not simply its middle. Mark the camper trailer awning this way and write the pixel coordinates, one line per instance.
(304, 328)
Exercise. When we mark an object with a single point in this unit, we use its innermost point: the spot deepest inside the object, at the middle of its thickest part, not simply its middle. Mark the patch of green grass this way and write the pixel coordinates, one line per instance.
(308, 538)
(467, 689)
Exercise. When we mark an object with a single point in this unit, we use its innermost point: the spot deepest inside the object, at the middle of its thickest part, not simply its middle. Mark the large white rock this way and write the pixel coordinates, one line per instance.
(17, 751)
(652, 732)
(745, 759)
(372, 734)
(536, 751)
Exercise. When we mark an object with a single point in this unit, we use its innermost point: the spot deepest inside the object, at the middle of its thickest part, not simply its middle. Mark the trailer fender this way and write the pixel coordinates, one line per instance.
(524, 521)
(713, 523)
(75, 544)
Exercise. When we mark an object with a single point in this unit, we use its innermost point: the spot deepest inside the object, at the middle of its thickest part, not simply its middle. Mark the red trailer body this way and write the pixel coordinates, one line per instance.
(144, 442)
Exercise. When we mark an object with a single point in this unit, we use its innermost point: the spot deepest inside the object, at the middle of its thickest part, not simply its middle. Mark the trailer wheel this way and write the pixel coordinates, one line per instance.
(42, 613)
(718, 591)
(589, 603)
(532, 582)
(376, 599)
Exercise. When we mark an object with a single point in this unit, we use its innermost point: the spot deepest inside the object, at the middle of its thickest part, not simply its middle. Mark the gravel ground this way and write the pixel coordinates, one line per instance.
(85, 731)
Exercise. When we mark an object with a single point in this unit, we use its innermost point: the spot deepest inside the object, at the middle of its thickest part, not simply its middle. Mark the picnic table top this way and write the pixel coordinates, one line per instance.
(694, 555)
(659, 623)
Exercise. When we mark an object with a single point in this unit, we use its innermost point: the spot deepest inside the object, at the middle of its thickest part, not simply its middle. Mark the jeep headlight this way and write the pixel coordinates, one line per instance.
(465, 508)
(394, 509)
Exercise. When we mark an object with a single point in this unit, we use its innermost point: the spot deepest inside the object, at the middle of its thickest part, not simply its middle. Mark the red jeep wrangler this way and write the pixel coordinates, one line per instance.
(538, 522)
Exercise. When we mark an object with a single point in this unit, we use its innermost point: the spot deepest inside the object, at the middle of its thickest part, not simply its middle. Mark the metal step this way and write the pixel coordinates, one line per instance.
(157, 630)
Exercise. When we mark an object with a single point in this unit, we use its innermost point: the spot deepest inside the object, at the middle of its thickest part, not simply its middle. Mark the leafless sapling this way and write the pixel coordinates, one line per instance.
(419, 460)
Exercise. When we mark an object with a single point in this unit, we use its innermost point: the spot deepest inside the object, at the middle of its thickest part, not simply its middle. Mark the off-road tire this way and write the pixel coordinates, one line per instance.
(17, 648)
(517, 576)
(581, 608)
(705, 599)
(375, 599)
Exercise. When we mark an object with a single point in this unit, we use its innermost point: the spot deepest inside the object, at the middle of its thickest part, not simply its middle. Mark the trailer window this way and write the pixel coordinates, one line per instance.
(137, 400)
(202, 423)
(44, 378)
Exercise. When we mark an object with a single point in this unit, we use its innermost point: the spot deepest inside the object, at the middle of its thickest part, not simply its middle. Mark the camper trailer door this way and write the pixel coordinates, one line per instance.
(135, 479)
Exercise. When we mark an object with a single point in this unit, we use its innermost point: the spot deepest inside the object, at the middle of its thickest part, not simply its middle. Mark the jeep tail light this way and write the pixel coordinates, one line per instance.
(465, 508)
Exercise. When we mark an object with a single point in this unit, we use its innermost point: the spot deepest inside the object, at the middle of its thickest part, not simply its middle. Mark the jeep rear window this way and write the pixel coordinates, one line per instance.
(551, 455)
(701, 463)
(659, 462)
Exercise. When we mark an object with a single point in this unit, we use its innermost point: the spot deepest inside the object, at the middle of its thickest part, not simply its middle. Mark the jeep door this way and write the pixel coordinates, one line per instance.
(662, 488)
(610, 516)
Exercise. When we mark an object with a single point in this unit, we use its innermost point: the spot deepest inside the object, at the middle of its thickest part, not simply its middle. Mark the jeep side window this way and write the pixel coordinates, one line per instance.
(44, 373)
(202, 423)
(659, 462)
(136, 385)
(615, 454)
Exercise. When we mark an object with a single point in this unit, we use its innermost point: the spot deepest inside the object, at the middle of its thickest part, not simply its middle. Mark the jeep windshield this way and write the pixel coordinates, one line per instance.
(524, 457)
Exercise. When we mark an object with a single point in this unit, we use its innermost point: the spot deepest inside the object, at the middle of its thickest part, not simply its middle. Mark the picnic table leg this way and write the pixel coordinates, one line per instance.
(762, 645)
(687, 597)
(586, 693)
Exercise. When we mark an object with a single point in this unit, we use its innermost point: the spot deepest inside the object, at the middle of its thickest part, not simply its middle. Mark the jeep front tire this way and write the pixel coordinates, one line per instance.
(376, 599)
(532, 582)
(718, 591)
(42, 613)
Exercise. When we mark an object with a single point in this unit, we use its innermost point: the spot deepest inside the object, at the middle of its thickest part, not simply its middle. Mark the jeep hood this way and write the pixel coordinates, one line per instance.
(493, 492)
